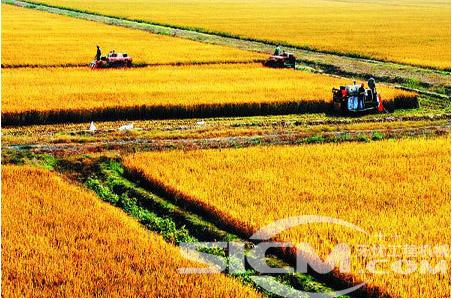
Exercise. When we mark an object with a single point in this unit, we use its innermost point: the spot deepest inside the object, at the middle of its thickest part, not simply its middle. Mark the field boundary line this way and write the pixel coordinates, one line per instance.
(162, 112)
(237, 227)
(333, 63)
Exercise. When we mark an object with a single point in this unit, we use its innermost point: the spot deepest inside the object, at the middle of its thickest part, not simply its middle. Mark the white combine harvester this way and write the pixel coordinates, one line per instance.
(355, 99)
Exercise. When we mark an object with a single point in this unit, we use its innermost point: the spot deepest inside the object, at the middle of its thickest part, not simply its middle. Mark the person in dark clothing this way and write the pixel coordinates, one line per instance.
(371, 83)
(277, 51)
(361, 96)
(98, 53)
(373, 88)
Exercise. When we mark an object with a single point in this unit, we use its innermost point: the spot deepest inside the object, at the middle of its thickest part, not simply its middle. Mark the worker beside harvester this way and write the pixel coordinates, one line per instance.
(111, 60)
(98, 53)
(373, 88)
(277, 50)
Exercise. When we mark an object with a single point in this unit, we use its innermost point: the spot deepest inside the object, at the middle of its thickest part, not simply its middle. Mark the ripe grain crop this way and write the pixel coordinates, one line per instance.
(396, 190)
(59, 240)
(31, 37)
(222, 89)
(410, 31)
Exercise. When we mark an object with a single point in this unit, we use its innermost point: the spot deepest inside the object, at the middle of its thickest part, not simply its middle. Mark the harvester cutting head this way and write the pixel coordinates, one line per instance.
(112, 60)
(356, 98)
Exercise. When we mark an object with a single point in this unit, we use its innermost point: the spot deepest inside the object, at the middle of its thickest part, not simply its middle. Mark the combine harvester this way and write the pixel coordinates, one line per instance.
(348, 99)
(281, 60)
(355, 98)
(112, 60)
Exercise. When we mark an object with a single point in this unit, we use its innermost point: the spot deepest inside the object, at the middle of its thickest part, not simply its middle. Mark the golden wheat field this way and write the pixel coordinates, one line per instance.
(31, 37)
(398, 189)
(409, 31)
(59, 240)
(42, 89)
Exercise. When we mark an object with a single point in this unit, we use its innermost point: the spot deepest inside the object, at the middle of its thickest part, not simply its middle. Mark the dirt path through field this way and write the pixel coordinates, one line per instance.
(143, 144)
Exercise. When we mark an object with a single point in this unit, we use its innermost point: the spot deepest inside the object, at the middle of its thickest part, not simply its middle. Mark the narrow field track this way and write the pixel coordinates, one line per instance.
(140, 144)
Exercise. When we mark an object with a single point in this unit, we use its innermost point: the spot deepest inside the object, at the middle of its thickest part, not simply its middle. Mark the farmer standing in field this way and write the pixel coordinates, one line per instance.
(372, 87)
(98, 53)
(277, 51)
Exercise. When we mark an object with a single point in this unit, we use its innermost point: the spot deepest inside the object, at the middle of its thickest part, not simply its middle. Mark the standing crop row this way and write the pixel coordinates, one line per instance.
(39, 95)
(397, 191)
(410, 31)
(59, 240)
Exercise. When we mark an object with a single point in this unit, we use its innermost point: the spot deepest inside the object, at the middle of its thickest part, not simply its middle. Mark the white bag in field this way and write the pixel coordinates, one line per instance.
(126, 127)
(92, 127)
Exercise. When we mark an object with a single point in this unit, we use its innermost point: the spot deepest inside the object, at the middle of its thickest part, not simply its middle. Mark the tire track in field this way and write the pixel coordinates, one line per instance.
(426, 79)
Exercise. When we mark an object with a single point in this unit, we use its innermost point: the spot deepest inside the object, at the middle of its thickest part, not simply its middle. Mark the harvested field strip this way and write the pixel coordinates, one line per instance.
(243, 188)
(136, 141)
(167, 128)
(178, 130)
(49, 39)
(168, 92)
(99, 253)
(404, 31)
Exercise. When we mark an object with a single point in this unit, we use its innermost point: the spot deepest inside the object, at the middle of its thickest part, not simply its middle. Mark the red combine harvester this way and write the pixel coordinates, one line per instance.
(112, 60)
(285, 60)
(356, 99)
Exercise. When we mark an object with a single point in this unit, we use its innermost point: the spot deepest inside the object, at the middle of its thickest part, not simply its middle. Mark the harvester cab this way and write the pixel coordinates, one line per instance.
(355, 99)
(112, 60)
(284, 60)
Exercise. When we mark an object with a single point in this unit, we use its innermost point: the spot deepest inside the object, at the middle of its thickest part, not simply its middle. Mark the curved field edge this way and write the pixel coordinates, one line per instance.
(215, 212)
(169, 27)
(177, 224)
(237, 227)
(101, 252)
(146, 112)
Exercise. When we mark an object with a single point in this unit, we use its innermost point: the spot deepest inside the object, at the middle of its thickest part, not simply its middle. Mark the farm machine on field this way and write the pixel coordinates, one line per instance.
(281, 60)
(357, 99)
(112, 60)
